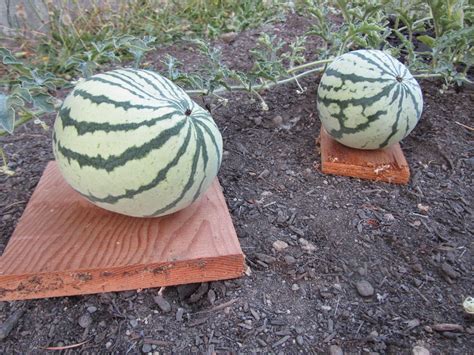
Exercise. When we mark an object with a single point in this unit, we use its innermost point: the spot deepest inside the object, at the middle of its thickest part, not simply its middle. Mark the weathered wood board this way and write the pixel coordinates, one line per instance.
(388, 165)
(64, 245)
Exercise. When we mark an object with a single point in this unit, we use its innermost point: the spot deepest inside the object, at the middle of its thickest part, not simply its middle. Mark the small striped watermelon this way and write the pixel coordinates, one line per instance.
(132, 142)
(368, 100)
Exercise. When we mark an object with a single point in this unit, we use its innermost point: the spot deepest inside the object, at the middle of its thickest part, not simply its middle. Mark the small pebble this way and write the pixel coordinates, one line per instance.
(85, 320)
(299, 340)
(164, 305)
(179, 314)
(146, 348)
(229, 37)
(108, 345)
(289, 260)
(280, 245)
(307, 245)
(335, 350)
(91, 309)
(134, 323)
(211, 296)
(295, 287)
(420, 350)
(417, 267)
(364, 288)
(265, 258)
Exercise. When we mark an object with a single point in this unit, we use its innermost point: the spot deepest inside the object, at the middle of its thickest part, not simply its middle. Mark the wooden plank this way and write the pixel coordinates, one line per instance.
(64, 245)
(388, 165)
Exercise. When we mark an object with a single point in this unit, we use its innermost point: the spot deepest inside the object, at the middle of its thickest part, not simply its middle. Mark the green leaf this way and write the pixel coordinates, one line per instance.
(7, 114)
(15, 101)
(43, 102)
(8, 57)
(21, 92)
(428, 40)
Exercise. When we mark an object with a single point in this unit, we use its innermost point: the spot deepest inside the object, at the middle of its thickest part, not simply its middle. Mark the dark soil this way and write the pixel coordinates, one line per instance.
(412, 245)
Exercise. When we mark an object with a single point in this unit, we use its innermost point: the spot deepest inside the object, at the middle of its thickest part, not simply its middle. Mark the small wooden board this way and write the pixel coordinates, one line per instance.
(64, 245)
(388, 165)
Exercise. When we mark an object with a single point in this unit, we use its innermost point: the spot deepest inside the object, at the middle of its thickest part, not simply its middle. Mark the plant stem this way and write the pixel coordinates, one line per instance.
(416, 22)
(425, 76)
(257, 87)
(310, 64)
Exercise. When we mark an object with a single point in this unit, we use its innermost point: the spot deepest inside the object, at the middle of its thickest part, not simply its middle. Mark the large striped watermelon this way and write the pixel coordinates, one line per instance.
(133, 142)
(368, 100)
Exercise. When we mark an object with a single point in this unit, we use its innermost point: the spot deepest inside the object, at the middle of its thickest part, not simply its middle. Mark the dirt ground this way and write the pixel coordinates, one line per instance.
(369, 268)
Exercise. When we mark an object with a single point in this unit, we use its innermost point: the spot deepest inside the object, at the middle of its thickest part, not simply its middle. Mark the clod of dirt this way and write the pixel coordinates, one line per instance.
(277, 121)
(364, 288)
(449, 270)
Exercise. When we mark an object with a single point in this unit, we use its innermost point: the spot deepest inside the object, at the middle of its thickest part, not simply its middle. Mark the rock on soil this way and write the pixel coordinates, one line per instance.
(85, 320)
(164, 305)
(364, 288)
(335, 350)
(420, 350)
(280, 245)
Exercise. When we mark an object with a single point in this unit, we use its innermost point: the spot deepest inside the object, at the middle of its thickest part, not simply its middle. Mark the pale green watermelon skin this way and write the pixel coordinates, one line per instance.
(133, 142)
(368, 100)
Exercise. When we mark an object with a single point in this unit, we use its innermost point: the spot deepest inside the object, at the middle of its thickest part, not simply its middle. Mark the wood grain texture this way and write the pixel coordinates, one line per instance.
(64, 245)
(388, 165)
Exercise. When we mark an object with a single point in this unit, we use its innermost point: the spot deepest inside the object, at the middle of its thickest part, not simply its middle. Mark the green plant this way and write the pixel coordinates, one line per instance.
(84, 41)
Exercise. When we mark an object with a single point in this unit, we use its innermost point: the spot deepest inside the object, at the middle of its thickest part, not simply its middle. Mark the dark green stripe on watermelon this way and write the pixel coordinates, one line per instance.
(213, 139)
(132, 153)
(189, 184)
(373, 62)
(99, 79)
(398, 96)
(364, 102)
(160, 176)
(205, 158)
(130, 81)
(176, 90)
(102, 99)
(351, 77)
(387, 62)
(416, 103)
(204, 116)
(84, 127)
(182, 104)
